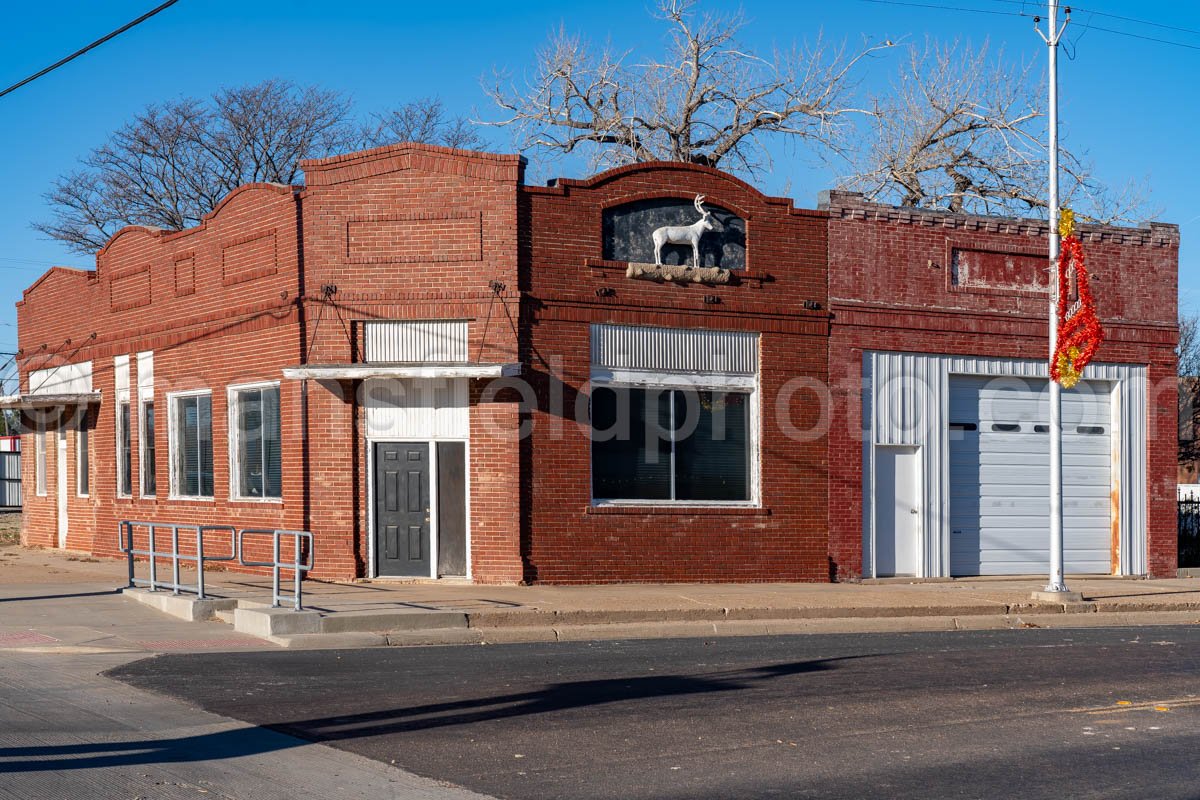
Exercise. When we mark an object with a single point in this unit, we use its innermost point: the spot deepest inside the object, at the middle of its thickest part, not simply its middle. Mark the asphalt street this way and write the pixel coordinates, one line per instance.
(1027, 713)
(67, 732)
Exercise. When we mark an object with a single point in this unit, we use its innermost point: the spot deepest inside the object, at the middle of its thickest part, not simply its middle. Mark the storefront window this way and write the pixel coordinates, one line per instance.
(191, 446)
(679, 445)
(257, 461)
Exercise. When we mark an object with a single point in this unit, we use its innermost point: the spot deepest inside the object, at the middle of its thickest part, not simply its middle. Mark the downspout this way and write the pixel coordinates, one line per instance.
(302, 313)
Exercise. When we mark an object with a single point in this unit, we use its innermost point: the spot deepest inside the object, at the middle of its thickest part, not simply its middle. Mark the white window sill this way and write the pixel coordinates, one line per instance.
(193, 498)
(678, 508)
(264, 500)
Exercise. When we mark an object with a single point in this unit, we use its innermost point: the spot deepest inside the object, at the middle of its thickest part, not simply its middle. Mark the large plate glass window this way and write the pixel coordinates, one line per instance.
(191, 446)
(684, 445)
(257, 472)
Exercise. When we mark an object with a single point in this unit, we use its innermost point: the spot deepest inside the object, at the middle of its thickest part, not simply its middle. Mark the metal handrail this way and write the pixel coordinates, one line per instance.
(125, 532)
(297, 566)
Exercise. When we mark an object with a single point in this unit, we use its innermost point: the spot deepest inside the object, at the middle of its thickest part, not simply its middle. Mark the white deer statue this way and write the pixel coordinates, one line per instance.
(684, 234)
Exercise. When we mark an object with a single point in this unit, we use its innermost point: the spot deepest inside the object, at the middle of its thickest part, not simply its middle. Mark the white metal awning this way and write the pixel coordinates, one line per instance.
(31, 401)
(343, 372)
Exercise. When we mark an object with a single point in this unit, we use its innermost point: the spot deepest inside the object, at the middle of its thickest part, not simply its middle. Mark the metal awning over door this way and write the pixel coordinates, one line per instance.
(999, 448)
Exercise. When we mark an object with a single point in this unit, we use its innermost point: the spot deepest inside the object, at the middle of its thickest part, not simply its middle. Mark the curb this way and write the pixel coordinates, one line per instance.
(702, 629)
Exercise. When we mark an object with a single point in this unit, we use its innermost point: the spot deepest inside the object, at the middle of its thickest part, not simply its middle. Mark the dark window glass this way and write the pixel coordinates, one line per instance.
(258, 458)
(124, 453)
(651, 444)
(149, 460)
(194, 455)
(712, 461)
(631, 448)
(82, 467)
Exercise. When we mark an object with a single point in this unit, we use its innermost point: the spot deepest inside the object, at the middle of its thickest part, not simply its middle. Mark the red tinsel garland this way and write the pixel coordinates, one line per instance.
(1079, 336)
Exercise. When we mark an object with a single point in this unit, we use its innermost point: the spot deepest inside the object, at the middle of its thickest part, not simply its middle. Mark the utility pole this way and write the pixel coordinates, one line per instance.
(1056, 589)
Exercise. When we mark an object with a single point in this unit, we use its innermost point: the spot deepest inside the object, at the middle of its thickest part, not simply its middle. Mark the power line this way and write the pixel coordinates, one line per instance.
(1078, 25)
(33, 262)
(1035, 6)
(91, 46)
(1139, 36)
(944, 8)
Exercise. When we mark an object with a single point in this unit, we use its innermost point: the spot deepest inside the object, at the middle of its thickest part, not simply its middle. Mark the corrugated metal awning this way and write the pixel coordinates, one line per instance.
(31, 401)
(342, 372)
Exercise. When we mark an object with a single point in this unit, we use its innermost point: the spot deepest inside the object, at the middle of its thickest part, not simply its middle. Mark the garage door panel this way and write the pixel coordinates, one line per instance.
(1022, 459)
(999, 497)
(1003, 476)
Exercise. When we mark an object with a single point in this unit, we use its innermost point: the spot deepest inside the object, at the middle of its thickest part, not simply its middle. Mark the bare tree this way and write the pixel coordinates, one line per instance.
(960, 130)
(423, 120)
(1188, 371)
(174, 161)
(707, 100)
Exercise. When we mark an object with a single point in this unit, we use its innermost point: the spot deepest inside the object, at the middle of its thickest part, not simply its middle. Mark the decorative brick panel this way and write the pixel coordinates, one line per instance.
(185, 276)
(130, 289)
(415, 238)
(248, 257)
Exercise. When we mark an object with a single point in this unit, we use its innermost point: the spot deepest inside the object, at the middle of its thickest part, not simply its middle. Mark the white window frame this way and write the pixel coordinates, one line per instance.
(39, 463)
(173, 443)
(603, 377)
(121, 378)
(145, 395)
(235, 441)
(83, 459)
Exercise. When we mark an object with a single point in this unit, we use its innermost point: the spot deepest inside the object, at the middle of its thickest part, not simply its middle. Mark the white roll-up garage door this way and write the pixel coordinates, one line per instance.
(999, 475)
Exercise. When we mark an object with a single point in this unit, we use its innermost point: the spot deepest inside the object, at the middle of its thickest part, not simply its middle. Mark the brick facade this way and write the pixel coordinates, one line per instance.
(569, 540)
(279, 276)
(892, 287)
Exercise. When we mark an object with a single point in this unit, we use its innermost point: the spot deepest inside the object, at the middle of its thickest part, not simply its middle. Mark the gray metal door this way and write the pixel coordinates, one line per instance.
(402, 509)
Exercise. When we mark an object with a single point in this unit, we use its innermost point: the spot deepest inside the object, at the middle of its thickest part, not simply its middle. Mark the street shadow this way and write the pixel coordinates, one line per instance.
(59, 596)
(556, 697)
(275, 737)
(180, 750)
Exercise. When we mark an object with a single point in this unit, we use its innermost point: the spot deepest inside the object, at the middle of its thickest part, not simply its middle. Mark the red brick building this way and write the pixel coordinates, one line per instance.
(443, 372)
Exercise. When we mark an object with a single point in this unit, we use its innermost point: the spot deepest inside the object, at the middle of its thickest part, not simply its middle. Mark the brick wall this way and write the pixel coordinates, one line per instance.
(567, 540)
(275, 278)
(206, 332)
(891, 289)
(412, 232)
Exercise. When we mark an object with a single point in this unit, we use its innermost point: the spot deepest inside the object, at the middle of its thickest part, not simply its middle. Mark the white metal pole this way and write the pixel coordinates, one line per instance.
(1056, 583)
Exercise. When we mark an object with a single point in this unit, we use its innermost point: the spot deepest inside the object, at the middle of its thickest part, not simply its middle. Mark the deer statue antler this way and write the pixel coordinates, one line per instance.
(700, 204)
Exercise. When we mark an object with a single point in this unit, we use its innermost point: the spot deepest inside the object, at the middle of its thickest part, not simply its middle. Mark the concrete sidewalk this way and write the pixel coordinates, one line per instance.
(411, 613)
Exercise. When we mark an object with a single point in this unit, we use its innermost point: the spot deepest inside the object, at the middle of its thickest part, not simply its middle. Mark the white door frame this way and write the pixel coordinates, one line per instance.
(60, 483)
(431, 444)
(918, 506)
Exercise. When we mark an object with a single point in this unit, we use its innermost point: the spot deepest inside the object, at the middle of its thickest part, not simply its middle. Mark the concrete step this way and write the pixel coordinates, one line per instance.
(186, 607)
(225, 616)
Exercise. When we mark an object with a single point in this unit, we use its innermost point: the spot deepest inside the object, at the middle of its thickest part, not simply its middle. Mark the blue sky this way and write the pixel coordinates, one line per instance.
(1129, 102)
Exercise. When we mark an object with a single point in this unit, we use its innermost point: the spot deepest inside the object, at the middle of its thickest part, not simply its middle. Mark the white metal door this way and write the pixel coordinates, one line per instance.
(1000, 470)
(60, 483)
(897, 510)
